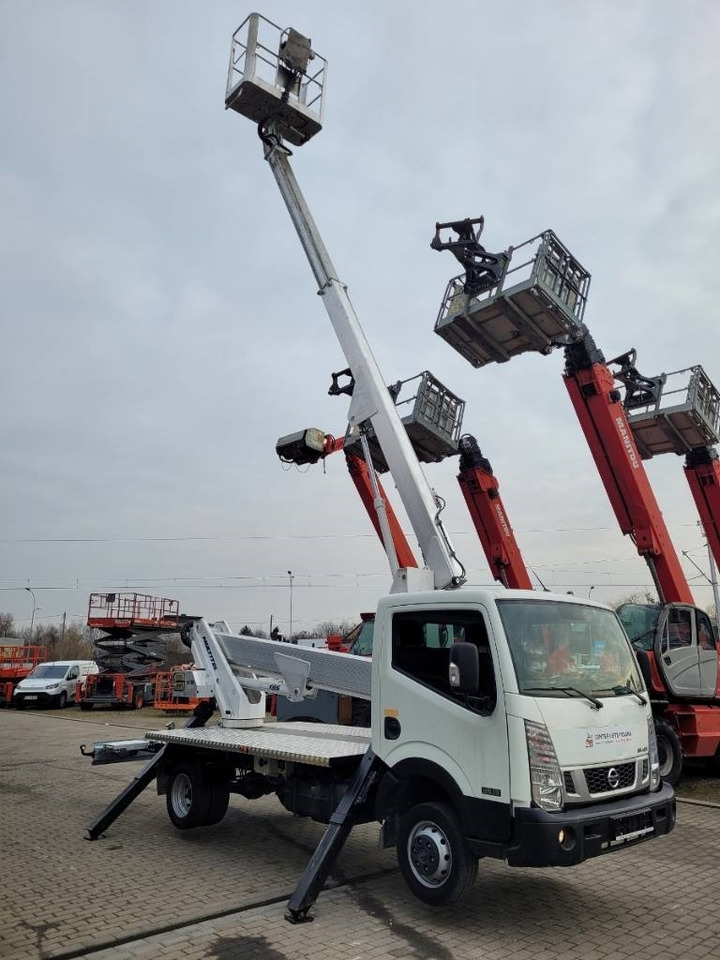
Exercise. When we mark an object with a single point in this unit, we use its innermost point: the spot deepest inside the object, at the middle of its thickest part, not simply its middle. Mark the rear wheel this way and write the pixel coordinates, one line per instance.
(139, 700)
(86, 706)
(189, 796)
(434, 859)
(669, 751)
(219, 802)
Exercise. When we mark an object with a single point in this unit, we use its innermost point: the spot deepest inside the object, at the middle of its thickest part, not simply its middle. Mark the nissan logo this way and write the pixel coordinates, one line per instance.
(613, 778)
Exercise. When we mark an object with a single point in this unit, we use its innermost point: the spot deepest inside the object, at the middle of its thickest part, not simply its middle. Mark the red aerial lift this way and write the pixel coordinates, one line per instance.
(311, 445)
(16, 662)
(128, 654)
(434, 429)
(532, 298)
(482, 496)
(679, 412)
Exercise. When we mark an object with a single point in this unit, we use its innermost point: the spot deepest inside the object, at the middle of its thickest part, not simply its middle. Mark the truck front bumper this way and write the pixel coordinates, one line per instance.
(542, 839)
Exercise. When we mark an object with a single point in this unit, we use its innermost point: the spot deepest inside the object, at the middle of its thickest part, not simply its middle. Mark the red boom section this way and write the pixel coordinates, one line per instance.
(482, 496)
(704, 481)
(608, 434)
(361, 478)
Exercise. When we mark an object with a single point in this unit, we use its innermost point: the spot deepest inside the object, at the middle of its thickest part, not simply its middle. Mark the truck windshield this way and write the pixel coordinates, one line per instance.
(640, 621)
(48, 671)
(568, 645)
(362, 644)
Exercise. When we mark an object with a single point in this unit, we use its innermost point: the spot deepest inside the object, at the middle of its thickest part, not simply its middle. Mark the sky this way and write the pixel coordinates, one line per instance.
(160, 324)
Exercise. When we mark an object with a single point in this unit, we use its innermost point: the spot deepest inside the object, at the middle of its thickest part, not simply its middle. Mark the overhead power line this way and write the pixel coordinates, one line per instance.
(299, 536)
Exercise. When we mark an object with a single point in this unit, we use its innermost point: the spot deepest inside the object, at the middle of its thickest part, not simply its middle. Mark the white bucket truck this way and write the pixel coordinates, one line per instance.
(505, 723)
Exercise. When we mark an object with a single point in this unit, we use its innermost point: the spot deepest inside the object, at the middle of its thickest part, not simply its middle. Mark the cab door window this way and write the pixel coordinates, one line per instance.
(705, 636)
(421, 645)
(679, 628)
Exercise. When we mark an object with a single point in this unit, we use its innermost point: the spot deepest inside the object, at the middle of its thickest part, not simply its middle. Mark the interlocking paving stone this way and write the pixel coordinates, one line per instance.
(146, 891)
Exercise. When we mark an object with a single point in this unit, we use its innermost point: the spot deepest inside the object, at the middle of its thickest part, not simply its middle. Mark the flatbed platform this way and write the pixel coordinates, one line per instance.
(320, 745)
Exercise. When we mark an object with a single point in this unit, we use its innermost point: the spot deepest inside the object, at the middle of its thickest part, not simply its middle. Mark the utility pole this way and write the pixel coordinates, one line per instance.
(62, 632)
(290, 574)
(34, 608)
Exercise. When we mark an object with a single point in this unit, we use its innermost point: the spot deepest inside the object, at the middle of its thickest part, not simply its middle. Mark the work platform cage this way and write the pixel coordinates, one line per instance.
(273, 75)
(684, 416)
(537, 304)
(432, 416)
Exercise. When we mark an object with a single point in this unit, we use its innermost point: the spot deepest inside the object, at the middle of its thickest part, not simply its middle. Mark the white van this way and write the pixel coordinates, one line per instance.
(52, 684)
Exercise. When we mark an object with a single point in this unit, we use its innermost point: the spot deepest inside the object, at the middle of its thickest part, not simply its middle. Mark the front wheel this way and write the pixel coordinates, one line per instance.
(434, 859)
(61, 701)
(669, 751)
(188, 797)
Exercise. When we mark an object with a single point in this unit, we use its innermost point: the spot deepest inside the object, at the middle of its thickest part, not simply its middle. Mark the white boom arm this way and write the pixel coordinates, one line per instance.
(240, 670)
(371, 399)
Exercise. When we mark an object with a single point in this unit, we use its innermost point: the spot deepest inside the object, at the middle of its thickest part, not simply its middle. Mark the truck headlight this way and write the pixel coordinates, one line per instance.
(545, 774)
(653, 756)
(52, 686)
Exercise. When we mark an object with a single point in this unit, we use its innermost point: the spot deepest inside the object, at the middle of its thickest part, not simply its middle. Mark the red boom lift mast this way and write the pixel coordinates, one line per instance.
(603, 419)
(479, 486)
(482, 496)
(679, 412)
(532, 298)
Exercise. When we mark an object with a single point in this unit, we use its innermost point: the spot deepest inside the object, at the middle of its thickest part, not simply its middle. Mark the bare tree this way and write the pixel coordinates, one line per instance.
(7, 625)
(640, 596)
(328, 628)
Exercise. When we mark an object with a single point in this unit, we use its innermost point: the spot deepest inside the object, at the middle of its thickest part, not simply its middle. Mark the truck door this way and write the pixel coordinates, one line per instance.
(424, 722)
(707, 654)
(676, 652)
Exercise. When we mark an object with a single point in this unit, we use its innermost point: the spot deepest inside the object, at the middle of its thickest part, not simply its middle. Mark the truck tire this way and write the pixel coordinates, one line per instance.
(434, 859)
(188, 796)
(61, 701)
(139, 700)
(218, 803)
(86, 706)
(669, 751)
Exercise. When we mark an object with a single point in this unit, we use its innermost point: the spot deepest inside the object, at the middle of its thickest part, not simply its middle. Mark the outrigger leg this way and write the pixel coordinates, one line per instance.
(124, 799)
(333, 840)
(203, 712)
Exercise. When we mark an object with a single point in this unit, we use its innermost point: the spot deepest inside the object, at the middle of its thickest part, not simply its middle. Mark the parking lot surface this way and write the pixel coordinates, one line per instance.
(148, 891)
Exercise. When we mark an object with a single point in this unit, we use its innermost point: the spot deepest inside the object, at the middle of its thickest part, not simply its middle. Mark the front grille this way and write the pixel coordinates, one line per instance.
(569, 782)
(607, 779)
(645, 770)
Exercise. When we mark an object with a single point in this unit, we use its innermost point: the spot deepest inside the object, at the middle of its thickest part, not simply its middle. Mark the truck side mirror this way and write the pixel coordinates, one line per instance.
(464, 671)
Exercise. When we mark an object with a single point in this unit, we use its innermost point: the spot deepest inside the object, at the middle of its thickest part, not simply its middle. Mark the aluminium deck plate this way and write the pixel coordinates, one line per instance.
(321, 745)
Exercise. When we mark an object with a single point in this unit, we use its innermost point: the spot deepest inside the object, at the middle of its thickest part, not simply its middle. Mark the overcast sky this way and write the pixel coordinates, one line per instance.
(160, 325)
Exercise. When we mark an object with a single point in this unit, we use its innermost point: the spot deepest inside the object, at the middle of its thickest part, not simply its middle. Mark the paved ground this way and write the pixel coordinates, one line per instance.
(148, 892)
